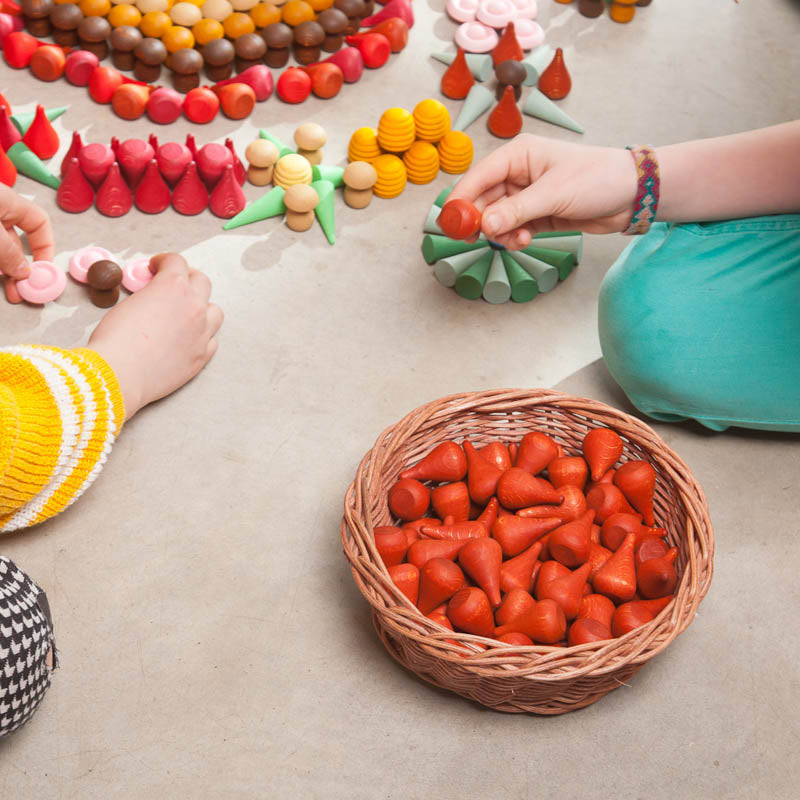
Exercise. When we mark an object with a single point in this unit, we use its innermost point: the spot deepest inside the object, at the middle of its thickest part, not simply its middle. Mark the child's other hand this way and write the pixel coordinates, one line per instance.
(160, 338)
(15, 212)
(533, 184)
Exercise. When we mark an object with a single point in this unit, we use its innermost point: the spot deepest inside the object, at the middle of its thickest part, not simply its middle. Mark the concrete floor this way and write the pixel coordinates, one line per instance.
(213, 643)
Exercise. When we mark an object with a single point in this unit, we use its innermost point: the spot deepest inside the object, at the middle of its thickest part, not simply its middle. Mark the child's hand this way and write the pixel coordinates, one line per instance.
(533, 184)
(162, 336)
(29, 218)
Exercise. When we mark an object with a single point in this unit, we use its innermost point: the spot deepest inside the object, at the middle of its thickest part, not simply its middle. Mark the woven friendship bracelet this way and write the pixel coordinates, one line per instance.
(647, 189)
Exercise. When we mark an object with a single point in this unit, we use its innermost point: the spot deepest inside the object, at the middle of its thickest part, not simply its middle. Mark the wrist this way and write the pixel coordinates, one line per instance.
(648, 189)
(123, 374)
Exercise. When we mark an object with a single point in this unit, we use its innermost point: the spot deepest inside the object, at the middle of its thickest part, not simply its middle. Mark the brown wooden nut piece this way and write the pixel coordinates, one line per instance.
(310, 136)
(104, 298)
(300, 198)
(104, 275)
(359, 175)
(261, 153)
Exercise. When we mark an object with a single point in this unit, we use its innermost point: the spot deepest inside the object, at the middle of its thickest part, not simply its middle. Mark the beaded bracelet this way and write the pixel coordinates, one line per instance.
(647, 189)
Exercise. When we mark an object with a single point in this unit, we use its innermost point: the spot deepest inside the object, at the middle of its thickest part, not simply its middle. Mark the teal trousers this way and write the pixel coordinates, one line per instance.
(702, 321)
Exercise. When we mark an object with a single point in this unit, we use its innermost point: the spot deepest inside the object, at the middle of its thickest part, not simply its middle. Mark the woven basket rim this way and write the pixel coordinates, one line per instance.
(542, 664)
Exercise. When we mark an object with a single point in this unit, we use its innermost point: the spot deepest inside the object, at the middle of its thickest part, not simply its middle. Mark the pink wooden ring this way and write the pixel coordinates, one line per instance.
(496, 13)
(136, 274)
(529, 34)
(461, 10)
(526, 9)
(84, 258)
(474, 37)
(45, 282)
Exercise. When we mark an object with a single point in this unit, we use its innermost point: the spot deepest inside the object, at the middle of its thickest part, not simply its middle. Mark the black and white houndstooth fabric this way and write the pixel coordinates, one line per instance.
(26, 637)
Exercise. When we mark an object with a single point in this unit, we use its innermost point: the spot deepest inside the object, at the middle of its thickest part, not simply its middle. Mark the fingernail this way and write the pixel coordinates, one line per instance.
(23, 270)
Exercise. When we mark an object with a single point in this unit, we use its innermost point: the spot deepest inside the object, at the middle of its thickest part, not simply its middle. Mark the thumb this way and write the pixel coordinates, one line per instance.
(12, 257)
(514, 211)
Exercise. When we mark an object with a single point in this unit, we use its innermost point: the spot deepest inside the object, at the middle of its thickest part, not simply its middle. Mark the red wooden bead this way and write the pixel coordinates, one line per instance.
(326, 79)
(48, 62)
(507, 48)
(457, 79)
(459, 219)
(237, 100)
(258, 78)
(18, 47)
(350, 62)
(239, 172)
(114, 197)
(41, 137)
(505, 120)
(200, 105)
(164, 105)
(9, 133)
(190, 196)
(294, 85)
(95, 160)
(103, 82)
(173, 158)
(80, 67)
(227, 199)
(212, 159)
(134, 157)
(374, 48)
(152, 195)
(75, 194)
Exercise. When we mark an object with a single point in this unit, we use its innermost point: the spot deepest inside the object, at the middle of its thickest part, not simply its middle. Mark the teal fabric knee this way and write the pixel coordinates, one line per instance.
(702, 321)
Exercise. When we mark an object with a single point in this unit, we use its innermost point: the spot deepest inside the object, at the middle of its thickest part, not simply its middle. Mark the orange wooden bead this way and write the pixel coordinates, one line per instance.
(236, 99)
(95, 8)
(47, 63)
(264, 14)
(238, 24)
(124, 14)
(207, 30)
(459, 219)
(176, 38)
(155, 24)
(296, 11)
(130, 100)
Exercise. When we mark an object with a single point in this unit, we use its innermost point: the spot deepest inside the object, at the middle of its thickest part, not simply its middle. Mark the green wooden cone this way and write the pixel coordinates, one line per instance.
(283, 148)
(28, 163)
(431, 226)
(480, 64)
(23, 121)
(435, 247)
(497, 289)
(442, 196)
(563, 262)
(536, 62)
(477, 102)
(448, 269)
(470, 282)
(270, 204)
(545, 275)
(326, 192)
(571, 241)
(538, 105)
(523, 285)
(322, 172)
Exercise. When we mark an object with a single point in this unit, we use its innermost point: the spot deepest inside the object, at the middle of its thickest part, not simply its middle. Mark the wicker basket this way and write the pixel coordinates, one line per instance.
(538, 679)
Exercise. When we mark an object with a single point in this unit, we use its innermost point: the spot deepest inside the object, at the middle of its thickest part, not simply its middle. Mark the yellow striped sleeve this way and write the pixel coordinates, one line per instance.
(60, 411)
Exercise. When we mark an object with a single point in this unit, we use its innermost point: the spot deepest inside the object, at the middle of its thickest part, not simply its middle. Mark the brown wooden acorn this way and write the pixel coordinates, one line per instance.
(104, 278)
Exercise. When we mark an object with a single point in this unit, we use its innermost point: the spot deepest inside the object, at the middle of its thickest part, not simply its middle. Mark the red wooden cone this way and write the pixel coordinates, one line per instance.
(637, 481)
(617, 577)
(134, 157)
(8, 172)
(173, 158)
(451, 499)
(636, 613)
(152, 195)
(583, 631)
(516, 638)
(481, 560)
(239, 172)
(192, 145)
(409, 499)
(190, 196)
(555, 82)
(507, 47)
(471, 529)
(439, 580)
(114, 197)
(597, 606)
(549, 571)
(395, 29)
(505, 121)
(657, 577)
(497, 453)
(374, 48)
(517, 572)
(567, 591)
(516, 602)
(258, 78)
(482, 477)
(9, 134)
(470, 611)
(406, 578)
(606, 499)
(96, 160)
(417, 524)
(393, 9)
(421, 551)
(457, 80)
(349, 61)
(544, 623)
(617, 526)
(227, 199)
(570, 543)
(568, 471)
(602, 448)
(516, 534)
(517, 488)
(648, 547)
(75, 194)
(446, 462)
(74, 148)
(598, 555)
(391, 544)
(489, 514)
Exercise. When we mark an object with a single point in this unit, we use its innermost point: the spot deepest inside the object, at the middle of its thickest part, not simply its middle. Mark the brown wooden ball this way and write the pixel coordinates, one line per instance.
(104, 275)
